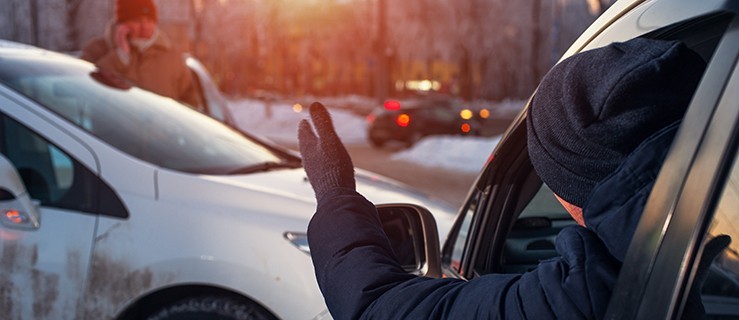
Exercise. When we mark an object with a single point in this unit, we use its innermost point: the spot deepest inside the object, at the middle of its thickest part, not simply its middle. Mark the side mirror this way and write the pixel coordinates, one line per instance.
(17, 211)
(413, 236)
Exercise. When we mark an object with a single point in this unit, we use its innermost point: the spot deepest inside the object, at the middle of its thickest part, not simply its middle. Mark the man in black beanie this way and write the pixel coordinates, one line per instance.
(582, 125)
(599, 128)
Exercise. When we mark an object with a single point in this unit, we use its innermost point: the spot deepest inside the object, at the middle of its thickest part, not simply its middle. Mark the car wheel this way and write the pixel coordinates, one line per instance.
(212, 308)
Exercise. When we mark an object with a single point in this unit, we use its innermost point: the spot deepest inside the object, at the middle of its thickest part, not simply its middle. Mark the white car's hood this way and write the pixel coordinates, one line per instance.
(287, 193)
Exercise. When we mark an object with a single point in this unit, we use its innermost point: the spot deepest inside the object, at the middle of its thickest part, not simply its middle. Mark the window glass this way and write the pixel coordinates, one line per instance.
(145, 125)
(44, 169)
(459, 245)
(62, 164)
(533, 235)
(721, 289)
(52, 176)
(544, 204)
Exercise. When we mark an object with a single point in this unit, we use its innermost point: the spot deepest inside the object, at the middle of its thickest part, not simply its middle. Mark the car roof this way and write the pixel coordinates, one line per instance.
(16, 48)
(16, 45)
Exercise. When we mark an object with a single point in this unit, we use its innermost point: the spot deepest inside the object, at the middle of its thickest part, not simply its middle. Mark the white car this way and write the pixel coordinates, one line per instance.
(117, 203)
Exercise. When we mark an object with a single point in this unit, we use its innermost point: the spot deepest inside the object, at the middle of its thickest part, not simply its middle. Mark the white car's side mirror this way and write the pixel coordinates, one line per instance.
(17, 210)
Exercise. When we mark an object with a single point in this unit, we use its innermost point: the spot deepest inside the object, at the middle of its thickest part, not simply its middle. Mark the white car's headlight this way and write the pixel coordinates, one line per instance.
(299, 240)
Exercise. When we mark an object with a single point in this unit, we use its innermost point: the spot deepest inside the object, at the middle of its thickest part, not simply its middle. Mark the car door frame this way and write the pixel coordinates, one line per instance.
(496, 183)
(660, 265)
(59, 283)
(495, 188)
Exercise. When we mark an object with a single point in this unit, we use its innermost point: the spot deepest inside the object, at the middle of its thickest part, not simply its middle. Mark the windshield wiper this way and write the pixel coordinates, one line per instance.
(266, 166)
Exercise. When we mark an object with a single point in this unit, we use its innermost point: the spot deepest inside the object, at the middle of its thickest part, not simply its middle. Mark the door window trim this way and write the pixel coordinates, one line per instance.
(635, 294)
(697, 198)
(86, 183)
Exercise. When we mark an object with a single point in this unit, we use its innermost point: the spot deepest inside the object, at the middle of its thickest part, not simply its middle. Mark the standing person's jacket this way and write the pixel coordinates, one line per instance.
(159, 68)
(361, 279)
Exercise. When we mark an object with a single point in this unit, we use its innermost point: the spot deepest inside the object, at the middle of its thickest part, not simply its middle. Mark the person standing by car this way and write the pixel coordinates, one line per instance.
(599, 128)
(137, 49)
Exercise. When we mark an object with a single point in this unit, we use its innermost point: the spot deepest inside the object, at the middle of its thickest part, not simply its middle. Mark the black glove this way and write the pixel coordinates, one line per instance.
(694, 306)
(325, 159)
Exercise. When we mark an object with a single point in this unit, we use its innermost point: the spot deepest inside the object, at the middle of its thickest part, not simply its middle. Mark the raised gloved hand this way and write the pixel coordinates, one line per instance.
(325, 159)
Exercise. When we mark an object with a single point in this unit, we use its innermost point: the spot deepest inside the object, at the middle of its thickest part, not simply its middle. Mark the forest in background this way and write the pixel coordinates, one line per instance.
(473, 49)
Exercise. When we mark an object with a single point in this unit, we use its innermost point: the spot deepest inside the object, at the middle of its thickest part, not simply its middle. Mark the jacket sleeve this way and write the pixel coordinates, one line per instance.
(98, 52)
(185, 86)
(360, 277)
(94, 49)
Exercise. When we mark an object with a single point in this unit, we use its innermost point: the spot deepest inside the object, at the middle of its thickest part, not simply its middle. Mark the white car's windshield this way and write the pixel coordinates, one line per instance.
(145, 125)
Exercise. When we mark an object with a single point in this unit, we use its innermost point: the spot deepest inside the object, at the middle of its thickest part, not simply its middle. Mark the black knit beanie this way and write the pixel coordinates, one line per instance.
(594, 108)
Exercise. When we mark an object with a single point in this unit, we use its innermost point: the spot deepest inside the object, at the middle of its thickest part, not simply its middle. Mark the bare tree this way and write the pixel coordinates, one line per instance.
(15, 23)
(72, 9)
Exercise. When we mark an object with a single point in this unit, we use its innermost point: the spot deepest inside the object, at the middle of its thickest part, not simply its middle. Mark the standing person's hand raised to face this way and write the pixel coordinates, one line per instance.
(122, 34)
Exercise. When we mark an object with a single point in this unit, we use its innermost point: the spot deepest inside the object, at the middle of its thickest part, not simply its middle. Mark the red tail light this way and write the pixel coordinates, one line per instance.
(392, 105)
(403, 120)
(465, 128)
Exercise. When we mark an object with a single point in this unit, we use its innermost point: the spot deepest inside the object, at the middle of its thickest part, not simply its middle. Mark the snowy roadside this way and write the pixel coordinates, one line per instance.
(279, 123)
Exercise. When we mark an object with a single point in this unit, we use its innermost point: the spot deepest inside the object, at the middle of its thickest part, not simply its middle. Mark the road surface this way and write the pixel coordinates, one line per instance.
(450, 186)
(447, 185)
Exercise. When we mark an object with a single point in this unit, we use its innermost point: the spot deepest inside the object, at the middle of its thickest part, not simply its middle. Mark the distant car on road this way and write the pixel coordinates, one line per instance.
(118, 203)
(408, 121)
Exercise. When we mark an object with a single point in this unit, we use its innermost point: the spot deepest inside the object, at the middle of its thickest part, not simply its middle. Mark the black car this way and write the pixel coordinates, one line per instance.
(408, 122)
(510, 219)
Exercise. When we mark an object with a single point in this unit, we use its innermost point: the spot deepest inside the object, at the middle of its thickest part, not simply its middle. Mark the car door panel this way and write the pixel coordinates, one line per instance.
(692, 209)
(44, 270)
(682, 192)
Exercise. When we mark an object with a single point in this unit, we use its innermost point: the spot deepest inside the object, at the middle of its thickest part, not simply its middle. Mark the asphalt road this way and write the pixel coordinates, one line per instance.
(447, 185)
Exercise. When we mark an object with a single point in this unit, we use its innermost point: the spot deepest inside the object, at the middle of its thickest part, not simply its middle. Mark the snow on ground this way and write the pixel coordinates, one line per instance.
(279, 122)
(466, 154)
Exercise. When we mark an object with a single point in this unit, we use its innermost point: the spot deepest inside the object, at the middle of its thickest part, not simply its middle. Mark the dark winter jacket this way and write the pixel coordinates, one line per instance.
(360, 278)
(160, 68)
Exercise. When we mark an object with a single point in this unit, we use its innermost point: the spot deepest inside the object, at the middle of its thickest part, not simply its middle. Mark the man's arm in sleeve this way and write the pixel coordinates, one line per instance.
(105, 57)
(360, 277)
